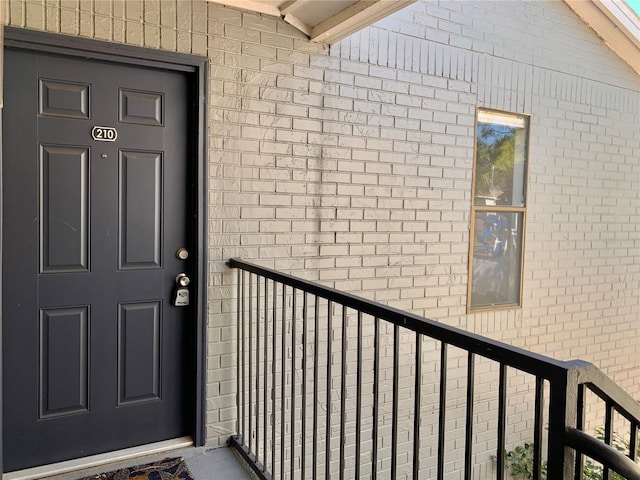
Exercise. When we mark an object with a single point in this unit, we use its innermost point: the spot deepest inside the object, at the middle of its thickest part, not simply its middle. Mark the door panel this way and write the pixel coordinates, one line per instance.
(95, 354)
(64, 99)
(140, 210)
(139, 327)
(64, 208)
(64, 361)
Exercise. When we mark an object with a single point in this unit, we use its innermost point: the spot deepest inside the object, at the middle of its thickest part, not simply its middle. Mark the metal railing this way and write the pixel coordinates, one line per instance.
(615, 402)
(331, 385)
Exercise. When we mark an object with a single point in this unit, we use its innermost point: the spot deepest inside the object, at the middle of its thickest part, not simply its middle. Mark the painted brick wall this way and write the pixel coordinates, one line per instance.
(352, 165)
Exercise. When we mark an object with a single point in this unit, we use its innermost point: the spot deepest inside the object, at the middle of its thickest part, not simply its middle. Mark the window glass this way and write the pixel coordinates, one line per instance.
(501, 153)
(497, 250)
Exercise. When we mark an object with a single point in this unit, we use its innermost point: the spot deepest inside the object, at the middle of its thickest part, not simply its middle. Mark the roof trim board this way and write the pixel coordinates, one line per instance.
(251, 5)
(354, 18)
(615, 23)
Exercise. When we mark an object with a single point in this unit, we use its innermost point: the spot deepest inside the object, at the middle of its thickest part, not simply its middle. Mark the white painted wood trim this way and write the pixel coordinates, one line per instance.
(615, 24)
(251, 5)
(354, 18)
(297, 23)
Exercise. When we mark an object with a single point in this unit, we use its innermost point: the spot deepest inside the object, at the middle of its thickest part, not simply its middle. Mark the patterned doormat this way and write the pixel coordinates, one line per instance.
(167, 469)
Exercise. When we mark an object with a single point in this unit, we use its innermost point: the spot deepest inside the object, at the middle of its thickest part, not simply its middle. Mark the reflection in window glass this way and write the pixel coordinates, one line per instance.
(500, 159)
(498, 210)
(497, 250)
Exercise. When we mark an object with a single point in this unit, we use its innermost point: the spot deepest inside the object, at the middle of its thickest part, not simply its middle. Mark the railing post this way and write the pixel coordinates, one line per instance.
(563, 413)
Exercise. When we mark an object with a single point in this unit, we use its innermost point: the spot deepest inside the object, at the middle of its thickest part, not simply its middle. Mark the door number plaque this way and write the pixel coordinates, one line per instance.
(104, 134)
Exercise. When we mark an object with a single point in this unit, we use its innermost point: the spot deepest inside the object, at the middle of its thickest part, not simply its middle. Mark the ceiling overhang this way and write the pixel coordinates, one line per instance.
(323, 21)
(328, 21)
(615, 23)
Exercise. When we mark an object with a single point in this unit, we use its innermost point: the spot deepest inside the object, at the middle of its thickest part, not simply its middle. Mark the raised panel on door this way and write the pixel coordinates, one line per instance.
(141, 107)
(64, 99)
(64, 208)
(140, 209)
(139, 345)
(64, 361)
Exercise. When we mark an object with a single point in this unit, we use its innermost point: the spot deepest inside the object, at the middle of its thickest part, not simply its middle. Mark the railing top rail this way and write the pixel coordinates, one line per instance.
(602, 453)
(515, 357)
(609, 391)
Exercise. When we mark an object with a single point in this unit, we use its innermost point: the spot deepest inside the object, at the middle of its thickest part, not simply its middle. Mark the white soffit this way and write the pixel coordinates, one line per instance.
(615, 23)
(323, 21)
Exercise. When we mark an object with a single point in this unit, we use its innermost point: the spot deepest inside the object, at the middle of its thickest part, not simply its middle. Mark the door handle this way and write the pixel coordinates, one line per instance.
(181, 297)
(182, 280)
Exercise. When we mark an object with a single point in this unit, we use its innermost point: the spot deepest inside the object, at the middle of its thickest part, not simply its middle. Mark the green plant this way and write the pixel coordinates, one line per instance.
(591, 471)
(519, 462)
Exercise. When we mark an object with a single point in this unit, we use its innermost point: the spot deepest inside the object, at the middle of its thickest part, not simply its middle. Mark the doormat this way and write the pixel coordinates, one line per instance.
(167, 469)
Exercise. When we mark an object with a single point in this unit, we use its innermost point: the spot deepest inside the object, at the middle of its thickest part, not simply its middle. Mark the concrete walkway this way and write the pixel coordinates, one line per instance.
(219, 464)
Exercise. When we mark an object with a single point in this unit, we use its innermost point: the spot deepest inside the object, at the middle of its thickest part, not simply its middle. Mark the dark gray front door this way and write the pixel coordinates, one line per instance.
(95, 354)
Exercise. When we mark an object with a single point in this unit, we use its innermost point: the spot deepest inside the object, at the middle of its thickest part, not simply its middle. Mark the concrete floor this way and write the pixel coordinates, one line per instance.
(219, 464)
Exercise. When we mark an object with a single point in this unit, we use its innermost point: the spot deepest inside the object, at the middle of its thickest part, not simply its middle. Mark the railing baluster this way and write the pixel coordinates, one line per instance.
(244, 302)
(608, 429)
(303, 453)
(502, 408)
(416, 408)
(283, 402)
(580, 426)
(537, 429)
(442, 414)
(292, 455)
(327, 466)
(265, 414)
(343, 392)
(316, 345)
(257, 407)
(394, 411)
(376, 393)
(274, 374)
(359, 394)
(239, 339)
(250, 378)
(468, 445)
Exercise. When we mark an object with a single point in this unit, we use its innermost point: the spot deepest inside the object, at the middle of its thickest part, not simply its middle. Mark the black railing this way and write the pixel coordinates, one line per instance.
(331, 385)
(622, 432)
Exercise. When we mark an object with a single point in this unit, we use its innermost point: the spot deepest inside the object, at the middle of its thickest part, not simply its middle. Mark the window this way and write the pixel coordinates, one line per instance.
(498, 211)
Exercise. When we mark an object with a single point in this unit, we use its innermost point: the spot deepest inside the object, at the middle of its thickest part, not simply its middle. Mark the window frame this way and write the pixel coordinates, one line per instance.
(497, 209)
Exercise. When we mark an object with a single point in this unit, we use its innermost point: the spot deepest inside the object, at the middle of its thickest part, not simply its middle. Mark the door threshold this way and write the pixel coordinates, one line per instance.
(99, 460)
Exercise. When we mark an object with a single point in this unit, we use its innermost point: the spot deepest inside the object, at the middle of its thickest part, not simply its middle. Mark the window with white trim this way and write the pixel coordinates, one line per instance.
(498, 211)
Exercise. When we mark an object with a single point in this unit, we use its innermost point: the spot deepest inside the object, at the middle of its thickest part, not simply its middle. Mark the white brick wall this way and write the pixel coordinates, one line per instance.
(352, 164)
